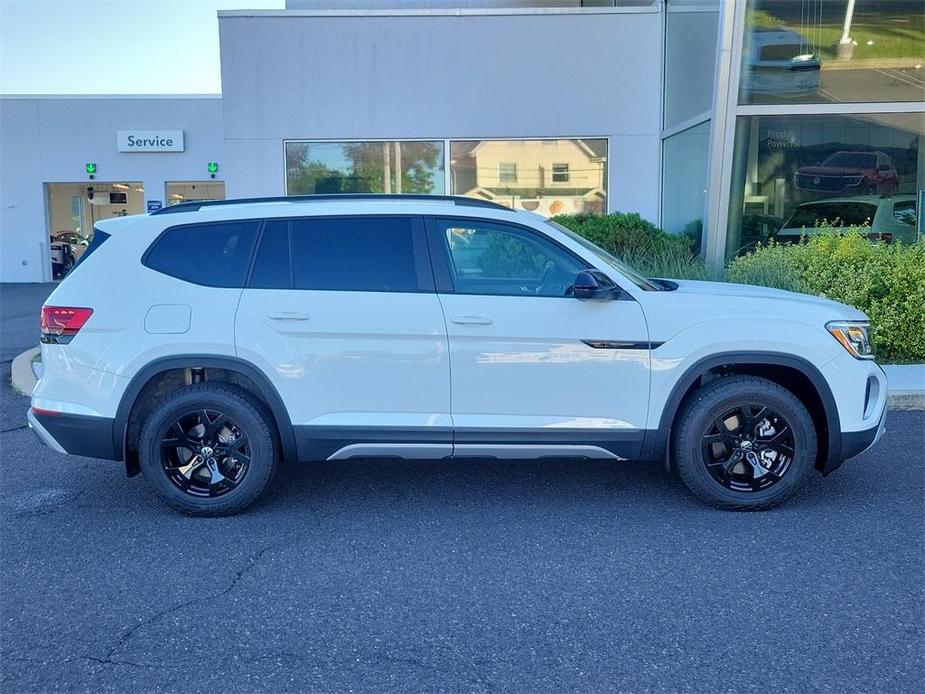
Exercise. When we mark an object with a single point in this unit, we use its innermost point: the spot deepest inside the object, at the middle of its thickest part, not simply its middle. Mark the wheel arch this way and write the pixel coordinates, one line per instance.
(150, 373)
(796, 374)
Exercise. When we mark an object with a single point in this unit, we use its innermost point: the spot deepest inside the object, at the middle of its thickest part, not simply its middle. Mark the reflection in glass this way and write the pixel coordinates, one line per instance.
(548, 177)
(691, 36)
(797, 174)
(364, 167)
(833, 50)
(684, 180)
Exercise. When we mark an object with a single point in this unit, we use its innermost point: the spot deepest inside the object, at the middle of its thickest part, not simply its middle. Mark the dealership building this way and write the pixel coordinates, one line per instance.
(727, 118)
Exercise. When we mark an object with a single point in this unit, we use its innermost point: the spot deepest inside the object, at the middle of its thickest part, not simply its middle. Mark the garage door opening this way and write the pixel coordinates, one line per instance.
(73, 208)
(194, 191)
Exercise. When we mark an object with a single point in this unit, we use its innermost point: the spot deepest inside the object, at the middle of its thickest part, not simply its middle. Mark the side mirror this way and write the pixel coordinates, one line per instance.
(593, 284)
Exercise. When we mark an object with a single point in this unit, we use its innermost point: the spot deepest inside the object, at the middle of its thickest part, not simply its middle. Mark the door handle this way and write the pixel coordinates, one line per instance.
(287, 315)
(471, 320)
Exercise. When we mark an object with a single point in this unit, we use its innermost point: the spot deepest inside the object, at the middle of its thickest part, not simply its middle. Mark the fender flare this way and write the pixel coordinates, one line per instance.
(267, 391)
(656, 445)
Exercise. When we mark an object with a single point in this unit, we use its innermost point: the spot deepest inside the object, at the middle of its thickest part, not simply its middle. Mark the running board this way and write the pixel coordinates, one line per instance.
(433, 451)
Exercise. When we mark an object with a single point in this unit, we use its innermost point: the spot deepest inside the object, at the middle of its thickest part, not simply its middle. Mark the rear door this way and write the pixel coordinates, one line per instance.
(534, 371)
(341, 312)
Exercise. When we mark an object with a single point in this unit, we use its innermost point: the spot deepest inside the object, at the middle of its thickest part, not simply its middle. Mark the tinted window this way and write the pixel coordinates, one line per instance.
(904, 212)
(214, 255)
(493, 259)
(271, 265)
(354, 254)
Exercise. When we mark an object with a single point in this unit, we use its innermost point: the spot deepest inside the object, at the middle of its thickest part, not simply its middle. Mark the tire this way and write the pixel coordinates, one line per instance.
(237, 452)
(732, 453)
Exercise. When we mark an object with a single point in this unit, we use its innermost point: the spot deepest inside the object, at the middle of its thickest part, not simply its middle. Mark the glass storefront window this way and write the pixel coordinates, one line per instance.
(684, 180)
(816, 51)
(691, 35)
(794, 174)
(548, 177)
(365, 167)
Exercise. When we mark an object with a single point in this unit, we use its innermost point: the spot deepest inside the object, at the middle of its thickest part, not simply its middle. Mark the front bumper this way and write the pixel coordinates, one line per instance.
(856, 442)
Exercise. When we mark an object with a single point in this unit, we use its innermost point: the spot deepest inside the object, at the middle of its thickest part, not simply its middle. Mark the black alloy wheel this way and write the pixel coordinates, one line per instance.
(205, 453)
(743, 443)
(748, 448)
(209, 449)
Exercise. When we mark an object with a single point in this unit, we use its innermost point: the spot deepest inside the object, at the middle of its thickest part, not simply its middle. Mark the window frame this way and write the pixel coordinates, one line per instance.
(443, 265)
(567, 173)
(501, 178)
(422, 265)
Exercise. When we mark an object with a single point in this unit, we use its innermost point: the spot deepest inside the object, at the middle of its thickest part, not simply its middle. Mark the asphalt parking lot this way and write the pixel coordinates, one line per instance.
(440, 577)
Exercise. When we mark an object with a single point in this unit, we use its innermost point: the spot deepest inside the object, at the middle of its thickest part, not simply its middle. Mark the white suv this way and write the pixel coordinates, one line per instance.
(207, 342)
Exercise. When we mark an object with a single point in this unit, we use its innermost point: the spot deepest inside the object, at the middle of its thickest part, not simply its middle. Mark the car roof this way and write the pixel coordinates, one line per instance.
(338, 205)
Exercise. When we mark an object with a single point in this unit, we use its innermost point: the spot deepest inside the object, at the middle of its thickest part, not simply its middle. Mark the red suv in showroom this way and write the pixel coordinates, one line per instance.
(845, 174)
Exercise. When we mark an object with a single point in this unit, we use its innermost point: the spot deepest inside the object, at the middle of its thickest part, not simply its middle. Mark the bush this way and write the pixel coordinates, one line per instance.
(642, 245)
(887, 282)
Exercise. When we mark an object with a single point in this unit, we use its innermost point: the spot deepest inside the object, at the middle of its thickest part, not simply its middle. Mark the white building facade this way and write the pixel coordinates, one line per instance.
(700, 115)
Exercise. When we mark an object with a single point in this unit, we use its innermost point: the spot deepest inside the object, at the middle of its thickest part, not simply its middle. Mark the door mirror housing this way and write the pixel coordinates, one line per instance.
(593, 284)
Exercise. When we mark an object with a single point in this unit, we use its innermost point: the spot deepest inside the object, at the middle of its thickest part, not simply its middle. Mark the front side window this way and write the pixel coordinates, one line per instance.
(501, 260)
(213, 255)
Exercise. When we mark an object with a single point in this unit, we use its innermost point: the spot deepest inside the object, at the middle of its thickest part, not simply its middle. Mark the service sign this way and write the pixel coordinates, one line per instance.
(150, 140)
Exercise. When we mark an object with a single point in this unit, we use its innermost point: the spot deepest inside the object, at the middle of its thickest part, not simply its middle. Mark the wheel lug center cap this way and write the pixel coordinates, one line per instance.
(746, 445)
(207, 452)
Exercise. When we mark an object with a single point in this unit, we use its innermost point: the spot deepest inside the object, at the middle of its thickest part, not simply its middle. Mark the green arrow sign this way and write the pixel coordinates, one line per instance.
(91, 168)
(213, 166)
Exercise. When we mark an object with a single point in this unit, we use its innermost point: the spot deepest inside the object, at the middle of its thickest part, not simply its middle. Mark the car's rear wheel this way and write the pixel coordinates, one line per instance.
(208, 450)
(744, 443)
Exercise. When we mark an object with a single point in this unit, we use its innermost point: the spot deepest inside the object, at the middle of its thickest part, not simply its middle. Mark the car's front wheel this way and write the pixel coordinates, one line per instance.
(208, 450)
(744, 443)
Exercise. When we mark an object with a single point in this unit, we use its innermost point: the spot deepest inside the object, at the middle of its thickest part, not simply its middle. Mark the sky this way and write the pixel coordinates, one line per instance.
(113, 46)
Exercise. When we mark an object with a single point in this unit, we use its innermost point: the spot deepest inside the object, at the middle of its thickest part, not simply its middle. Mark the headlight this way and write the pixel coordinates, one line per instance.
(853, 336)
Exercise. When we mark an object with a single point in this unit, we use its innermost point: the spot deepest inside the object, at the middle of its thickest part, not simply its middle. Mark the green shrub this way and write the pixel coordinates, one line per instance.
(642, 245)
(887, 282)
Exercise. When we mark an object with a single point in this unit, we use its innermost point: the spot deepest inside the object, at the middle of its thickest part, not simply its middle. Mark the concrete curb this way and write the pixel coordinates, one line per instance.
(21, 375)
(907, 381)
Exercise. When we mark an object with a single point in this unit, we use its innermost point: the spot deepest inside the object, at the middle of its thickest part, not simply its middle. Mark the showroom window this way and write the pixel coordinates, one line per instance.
(408, 166)
(795, 174)
(549, 177)
(816, 51)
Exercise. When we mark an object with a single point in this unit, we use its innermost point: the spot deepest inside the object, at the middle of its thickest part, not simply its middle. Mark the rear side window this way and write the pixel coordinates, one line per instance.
(374, 254)
(214, 255)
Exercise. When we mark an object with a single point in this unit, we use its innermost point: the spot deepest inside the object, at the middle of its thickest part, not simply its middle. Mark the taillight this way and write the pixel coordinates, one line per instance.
(61, 323)
(885, 236)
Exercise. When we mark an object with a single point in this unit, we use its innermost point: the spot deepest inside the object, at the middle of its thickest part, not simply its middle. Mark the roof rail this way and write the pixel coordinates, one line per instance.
(458, 200)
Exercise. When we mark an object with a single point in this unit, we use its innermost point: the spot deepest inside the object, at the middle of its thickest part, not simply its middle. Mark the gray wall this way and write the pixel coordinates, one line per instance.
(559, 74)
(50, 140)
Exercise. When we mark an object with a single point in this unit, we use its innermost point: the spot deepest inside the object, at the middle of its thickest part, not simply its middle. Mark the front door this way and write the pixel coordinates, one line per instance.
(341, 313)
(534, 371)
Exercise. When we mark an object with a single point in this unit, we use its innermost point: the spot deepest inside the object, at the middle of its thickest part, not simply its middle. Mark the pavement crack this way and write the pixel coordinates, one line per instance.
(239, 574)
(19, 428)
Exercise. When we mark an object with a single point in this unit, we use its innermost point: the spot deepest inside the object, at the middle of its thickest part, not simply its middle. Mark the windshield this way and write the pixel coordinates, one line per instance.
(851, 160)
(614, 262)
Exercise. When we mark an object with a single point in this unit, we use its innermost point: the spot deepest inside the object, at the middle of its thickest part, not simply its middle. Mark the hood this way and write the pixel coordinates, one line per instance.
(766, 298)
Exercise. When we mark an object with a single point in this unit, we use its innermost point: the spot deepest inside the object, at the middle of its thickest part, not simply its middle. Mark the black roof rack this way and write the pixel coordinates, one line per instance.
(455, 199)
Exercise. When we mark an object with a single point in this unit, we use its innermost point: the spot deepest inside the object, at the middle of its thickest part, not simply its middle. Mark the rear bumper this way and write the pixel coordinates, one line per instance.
(75, 434)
